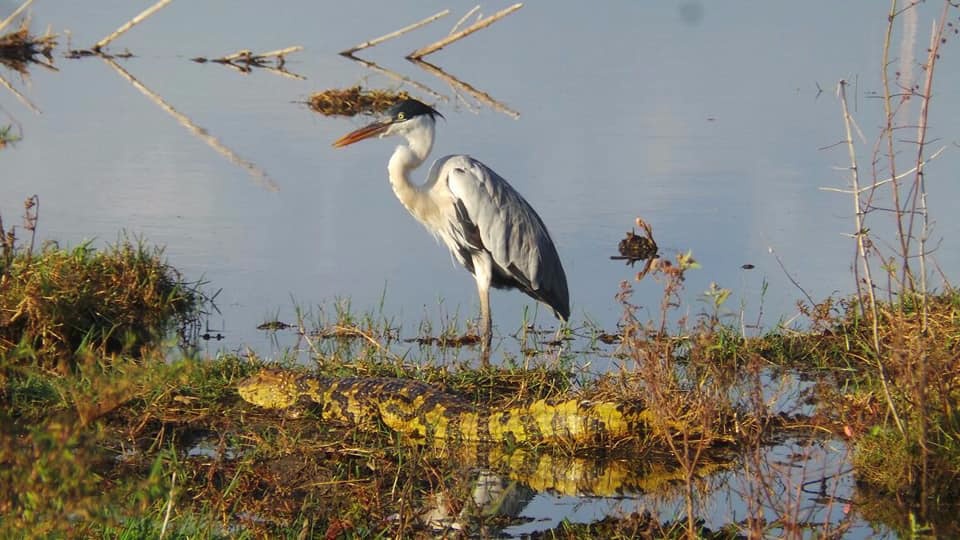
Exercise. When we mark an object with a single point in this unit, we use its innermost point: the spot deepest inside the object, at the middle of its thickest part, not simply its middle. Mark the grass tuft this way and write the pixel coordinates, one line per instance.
(60, 306)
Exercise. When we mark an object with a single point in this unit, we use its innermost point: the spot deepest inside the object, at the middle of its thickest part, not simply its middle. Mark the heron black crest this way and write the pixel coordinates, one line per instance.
(410, 108)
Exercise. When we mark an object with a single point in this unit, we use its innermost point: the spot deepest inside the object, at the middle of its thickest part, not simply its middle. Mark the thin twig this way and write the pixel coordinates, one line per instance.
(479, 25)
(920, 190)
(130, 24)
(879, 183)
(795, 284)
(464, 19)
(396, 33)
(905, 274)
(862, 254)
(15, 13)
(477, 94)
(258, 174)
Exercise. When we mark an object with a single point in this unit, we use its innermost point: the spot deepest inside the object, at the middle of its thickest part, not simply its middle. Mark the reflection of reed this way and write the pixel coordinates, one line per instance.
(396, 76)
(23, 99)
(482, 97)
(417, 55)
(258, 174)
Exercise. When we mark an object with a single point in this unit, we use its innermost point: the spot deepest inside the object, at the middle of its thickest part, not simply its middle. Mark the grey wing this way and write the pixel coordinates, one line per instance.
(492, 216)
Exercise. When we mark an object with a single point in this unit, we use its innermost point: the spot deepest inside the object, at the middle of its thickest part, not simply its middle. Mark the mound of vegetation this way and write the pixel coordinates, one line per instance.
(58, 302)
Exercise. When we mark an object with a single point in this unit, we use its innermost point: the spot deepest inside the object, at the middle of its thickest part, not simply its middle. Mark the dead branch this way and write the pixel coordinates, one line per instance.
(482, 97)
(479, 25)
(258, 174)
(130, 24)
(394, 34)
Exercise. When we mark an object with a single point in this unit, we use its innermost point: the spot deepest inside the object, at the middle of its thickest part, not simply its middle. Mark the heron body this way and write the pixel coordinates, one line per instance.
(487, 225)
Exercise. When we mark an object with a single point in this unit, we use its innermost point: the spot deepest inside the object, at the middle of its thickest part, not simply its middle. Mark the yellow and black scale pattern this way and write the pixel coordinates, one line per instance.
(425, 414)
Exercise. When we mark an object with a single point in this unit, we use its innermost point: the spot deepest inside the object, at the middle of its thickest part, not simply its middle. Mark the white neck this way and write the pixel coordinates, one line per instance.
(406, 158)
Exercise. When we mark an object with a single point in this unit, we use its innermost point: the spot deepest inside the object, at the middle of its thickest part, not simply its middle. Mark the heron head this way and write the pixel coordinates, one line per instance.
(400, 119)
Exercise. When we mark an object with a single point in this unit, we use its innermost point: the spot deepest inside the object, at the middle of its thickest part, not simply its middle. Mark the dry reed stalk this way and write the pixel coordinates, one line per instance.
(920, 189)
(130, 24)
(248, 56)
(861, 234)
(244, 59)
(280, 53)
(888, 135)
(244, 54)
(259, 175)
(480, 96)
(15, 13)
(391, 35)
(479, 25)
(464, 19)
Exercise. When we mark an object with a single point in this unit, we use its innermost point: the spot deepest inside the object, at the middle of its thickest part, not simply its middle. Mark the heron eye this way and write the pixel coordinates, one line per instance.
(401, 116)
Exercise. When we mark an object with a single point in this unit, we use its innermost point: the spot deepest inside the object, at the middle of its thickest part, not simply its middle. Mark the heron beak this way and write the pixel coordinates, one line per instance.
(365, 132)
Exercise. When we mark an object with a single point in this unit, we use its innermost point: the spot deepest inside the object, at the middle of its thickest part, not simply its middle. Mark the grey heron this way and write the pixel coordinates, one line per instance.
(488, 227)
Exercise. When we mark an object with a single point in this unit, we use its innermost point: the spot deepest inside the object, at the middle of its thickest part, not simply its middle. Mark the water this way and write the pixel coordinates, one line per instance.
(707, 121)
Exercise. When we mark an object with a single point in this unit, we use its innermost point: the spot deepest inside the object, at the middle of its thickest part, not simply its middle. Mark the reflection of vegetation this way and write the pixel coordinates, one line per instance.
(354, 101)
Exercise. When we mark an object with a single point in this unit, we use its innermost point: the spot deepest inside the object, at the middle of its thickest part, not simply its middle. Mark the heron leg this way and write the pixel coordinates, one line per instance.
(483, 268)
(486, 333)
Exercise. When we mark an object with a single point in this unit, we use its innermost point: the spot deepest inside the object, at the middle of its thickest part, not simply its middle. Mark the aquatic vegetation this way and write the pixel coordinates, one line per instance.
(355, 100)
(20, 48)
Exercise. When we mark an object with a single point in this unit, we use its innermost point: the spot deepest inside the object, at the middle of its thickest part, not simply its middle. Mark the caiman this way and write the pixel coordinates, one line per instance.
(425, 414)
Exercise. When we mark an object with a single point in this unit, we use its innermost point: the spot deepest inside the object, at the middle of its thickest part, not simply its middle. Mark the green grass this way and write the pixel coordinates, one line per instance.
(8, 137)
